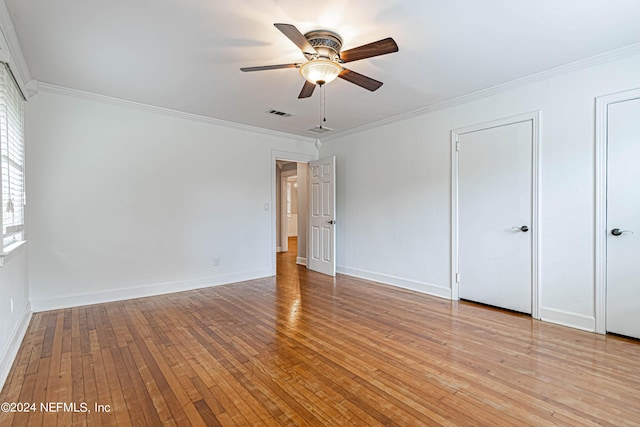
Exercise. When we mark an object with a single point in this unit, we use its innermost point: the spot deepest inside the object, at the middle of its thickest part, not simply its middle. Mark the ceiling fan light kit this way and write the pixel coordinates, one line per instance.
(320, 71)
(322, 49)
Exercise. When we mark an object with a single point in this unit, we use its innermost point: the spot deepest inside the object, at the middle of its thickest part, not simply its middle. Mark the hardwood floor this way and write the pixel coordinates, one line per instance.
(310, 350)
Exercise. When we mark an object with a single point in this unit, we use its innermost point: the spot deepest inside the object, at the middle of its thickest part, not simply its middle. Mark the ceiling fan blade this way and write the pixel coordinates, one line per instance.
(307, 90)
(296, 37)
(381, 47)
(269, 67)
(360, 80)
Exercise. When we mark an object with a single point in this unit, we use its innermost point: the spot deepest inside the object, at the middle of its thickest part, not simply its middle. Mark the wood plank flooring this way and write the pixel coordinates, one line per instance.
(309, 350)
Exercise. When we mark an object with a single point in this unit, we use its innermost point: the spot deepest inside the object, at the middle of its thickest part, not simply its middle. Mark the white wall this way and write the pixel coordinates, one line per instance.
(13, 285)
(125, 202)
(394, 187)
(293, 207)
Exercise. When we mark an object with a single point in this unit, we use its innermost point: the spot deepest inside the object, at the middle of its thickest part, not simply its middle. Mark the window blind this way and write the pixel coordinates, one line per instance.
(11, 160)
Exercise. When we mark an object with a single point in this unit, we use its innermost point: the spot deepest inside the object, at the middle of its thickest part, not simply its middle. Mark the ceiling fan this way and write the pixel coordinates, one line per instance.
(324, 59)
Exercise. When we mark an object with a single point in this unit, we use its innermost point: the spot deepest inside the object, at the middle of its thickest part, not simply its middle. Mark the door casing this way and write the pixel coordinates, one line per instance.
(284, 226)
(287, 156)
(535, 118)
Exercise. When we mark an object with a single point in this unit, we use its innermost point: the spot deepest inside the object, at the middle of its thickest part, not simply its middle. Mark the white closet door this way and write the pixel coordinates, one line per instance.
(623, 218)
(494, 214)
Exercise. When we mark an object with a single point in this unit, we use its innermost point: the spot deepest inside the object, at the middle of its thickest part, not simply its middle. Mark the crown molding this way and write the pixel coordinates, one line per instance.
(89, 96)
(592, 61)
(603, 58)
(14, 57)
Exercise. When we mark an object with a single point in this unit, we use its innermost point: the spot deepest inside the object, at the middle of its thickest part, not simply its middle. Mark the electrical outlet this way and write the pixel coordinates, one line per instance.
(216, 262)
(11, 301)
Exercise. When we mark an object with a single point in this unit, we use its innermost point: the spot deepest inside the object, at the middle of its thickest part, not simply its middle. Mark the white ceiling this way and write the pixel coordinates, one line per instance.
(185, 55)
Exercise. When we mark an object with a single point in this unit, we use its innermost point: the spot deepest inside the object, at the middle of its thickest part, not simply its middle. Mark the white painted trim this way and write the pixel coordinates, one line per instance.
(591, 61)
(60, 90)
(284, 226)
(455, 265)
(284, 219)
(301, 261)
(278, 248)
(287, 156)
(15, 340)
(566, 318)
(535, 214)
(9, 44)
(15, 249)
(535, 118)
(423, 287)
(603, 58)
(602, 106)
(79, 299)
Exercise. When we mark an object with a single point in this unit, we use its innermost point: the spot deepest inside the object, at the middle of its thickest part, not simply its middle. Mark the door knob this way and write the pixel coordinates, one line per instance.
(524, 228)
(331, 222)
(617, 231)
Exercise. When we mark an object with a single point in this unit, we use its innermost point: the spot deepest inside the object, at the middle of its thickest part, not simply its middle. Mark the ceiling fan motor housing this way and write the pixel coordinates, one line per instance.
(326, 43)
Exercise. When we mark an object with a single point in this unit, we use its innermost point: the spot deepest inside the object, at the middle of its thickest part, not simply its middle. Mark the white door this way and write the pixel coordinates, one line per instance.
(623, 218)
(322, 216)
(495, 216)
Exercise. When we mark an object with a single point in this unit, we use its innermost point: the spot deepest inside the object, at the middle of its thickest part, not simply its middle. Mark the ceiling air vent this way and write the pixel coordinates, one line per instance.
(279, 113)
(317, 130)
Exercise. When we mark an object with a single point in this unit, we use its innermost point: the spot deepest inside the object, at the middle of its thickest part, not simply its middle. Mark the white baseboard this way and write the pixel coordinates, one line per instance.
(301, 261)
(560, 317)
(566, 318)
(425, 288)
(15, 340)
(76, 300)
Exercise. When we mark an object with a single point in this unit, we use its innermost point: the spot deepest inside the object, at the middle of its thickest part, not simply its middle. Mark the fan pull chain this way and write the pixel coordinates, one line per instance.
(324, 104)
(321, 105)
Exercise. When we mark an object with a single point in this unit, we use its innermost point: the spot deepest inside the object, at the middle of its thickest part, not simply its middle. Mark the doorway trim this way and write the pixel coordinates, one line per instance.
(284, 223)
(535, 118)
(600, 229)
(286, 156)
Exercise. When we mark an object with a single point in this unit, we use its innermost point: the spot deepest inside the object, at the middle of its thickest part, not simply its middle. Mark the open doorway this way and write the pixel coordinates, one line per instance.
(292, 205)
(316, 239)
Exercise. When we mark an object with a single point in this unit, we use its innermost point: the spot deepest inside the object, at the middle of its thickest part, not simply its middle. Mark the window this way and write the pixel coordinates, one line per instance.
(11, 161)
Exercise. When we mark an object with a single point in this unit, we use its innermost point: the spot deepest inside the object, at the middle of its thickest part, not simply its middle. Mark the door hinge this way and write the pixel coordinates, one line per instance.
(457, 277)
(457, 145)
